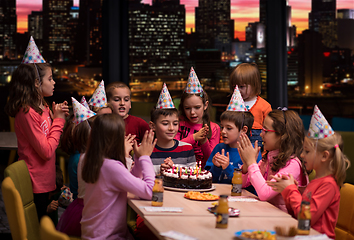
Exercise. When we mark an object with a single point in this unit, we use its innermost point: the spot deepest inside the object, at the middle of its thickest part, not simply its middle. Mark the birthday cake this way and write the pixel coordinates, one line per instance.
(187, 178)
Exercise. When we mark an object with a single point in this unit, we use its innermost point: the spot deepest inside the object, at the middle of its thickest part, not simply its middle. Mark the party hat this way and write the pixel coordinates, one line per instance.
(32, 54)
(83, 102)
(165, 100)
(236, 103)
(319, 127)
(81, 113)
(98, 98)
(193, 85)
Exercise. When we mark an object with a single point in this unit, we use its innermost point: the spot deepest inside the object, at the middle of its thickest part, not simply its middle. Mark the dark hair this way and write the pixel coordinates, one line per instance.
(157, 112)
(97, 109)
(248, 74)
(240, 119)
(110, 87)
(67, 141)
(81, 134)
(206, 114)
(106, 141)
(288, 125)
(24, 90)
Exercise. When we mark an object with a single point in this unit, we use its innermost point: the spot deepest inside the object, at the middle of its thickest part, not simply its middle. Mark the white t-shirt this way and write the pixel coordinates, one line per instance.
(249, 104)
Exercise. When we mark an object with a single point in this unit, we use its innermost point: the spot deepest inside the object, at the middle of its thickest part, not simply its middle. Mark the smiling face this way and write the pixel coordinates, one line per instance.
(194, 109)
(230, 133)
(120, 101)
(47, 84)
(165, 128)
(271, 140)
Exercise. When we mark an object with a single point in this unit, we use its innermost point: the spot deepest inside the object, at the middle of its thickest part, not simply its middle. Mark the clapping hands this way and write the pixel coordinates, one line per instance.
(221, 160)
(147, 144)
(247, 152)
(201, 135)
(60, 110)
(281, 182)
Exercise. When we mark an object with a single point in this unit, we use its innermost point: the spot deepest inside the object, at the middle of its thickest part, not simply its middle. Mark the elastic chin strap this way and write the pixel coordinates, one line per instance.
(39, 77)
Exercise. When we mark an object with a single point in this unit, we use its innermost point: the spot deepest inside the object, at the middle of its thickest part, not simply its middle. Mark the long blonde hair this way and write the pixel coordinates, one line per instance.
(339, 163)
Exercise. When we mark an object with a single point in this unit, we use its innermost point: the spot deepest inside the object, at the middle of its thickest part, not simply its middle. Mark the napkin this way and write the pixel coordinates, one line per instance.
(241, 199)
(312, 237)
(177, 235)
(163, 209)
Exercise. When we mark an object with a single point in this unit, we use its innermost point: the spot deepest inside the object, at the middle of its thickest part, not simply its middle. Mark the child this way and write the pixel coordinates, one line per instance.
(323, 153)
(37, 129)
(195, 125)
(52, 208)
(248, 79)
(164, 122)
(108, 180)
(225, 157)
(118, 95)
(283, 135)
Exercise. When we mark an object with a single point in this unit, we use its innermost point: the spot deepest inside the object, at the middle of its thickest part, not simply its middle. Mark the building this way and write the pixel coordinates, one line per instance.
(310, 51)
(322, 19)
(255, 33)
(214, 25)
(89, 41)
(57, 34)
(156, 40)
(345, 22)
(8, 29)
(35, 28)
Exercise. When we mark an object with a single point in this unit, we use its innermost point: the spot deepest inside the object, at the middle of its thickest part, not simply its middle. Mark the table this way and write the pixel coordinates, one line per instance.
(8, 141)
(197, 222)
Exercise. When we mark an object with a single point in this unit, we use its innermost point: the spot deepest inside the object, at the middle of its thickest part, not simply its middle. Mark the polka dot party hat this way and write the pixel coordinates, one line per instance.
(165, 100)
(236, 103)
(319, 127)
(193, 84)
(83, 102)
(81, 113)
(32, 54)
(98, 98)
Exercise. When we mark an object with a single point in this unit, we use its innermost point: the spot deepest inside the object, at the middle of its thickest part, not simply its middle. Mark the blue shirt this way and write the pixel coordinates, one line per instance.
(72, 170)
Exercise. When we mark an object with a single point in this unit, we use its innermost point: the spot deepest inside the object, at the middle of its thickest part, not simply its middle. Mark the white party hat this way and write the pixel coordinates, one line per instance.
(32, 54)
(165, 100)
(193, 84)
(81, 113)
(236, 103)
(83, 102)
(98, 98)
(319, 127)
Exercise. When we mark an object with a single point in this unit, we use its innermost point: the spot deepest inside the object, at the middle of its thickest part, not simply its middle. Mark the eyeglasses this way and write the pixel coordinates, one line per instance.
(267, 130)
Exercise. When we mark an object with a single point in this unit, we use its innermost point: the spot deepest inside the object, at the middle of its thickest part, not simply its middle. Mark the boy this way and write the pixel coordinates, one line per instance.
(225, 157)
(118, 95)
(164, 122)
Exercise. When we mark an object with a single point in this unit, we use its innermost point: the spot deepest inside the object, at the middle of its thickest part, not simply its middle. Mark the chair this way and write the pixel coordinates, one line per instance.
(14, 210)
(18, 172)
(345, 225)
(47, 230)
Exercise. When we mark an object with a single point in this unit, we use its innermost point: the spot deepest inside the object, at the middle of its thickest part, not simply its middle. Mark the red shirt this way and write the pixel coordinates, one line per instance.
(136, 126)
(324, 203)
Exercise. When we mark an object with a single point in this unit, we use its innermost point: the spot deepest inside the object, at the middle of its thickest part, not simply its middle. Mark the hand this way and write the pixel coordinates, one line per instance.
(129, 142)
(222, 159)
(200, 136)
(216, 162)
(168, 163)
(52, 206)
(147, 144)
(281, 182)
(60, 110)
(247, 152)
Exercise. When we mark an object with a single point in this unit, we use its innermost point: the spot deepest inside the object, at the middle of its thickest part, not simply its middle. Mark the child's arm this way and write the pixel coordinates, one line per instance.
(214, 140)
(53, 206)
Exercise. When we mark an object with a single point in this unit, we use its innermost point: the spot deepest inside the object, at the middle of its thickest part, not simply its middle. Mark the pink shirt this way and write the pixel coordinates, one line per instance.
(324, 203)
(258, 174)
(38, 138)
(105, 202)
(202, 152)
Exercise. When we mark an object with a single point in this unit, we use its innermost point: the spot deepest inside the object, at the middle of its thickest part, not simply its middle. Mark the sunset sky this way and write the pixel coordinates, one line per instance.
(242, 12)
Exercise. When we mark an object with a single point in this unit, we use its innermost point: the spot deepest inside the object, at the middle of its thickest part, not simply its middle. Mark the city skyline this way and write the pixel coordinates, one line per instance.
(241, 11)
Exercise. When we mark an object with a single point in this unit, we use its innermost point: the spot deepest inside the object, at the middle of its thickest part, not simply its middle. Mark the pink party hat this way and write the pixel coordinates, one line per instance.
(165, 100)
(81, 113)
(83, 102)
(236, 103)
(319, 127)
(32, 54)
(98, 98)
(193, 84)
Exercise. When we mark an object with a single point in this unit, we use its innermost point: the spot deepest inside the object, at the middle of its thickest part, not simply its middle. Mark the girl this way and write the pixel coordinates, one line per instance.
(326, 157)
(248, 79)
(108, 180)
(195, 126)
(37, 129)
(282, 135)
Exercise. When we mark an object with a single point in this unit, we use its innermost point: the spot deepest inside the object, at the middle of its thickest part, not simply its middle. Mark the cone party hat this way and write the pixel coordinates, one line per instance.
(236, 103)
(319, 127)
(193, 84)
(81, 113)
(165, 100)
(98, 98)
(32, 54)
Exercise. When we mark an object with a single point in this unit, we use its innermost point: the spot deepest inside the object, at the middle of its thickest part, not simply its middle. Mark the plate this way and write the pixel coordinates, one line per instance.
(215, 197)
(239, 233)
(233, 212)
(187, 190)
